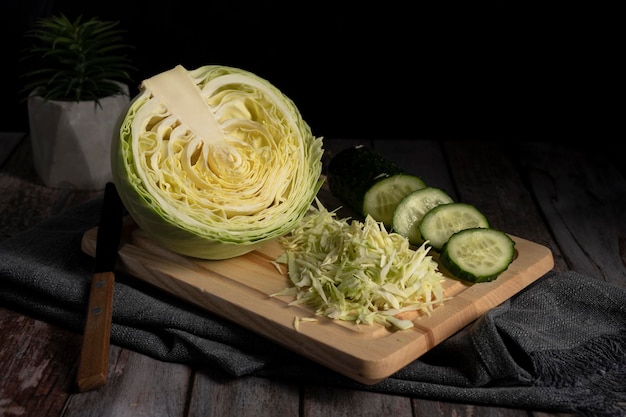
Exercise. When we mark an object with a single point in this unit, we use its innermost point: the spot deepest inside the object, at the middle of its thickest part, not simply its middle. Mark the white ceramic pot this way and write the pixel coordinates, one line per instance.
(71, 141)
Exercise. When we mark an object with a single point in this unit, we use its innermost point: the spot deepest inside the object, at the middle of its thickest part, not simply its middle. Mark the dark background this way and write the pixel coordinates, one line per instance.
(380, 71)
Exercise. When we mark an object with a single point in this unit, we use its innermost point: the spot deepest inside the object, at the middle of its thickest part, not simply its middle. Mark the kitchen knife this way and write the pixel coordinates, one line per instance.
(94, 355)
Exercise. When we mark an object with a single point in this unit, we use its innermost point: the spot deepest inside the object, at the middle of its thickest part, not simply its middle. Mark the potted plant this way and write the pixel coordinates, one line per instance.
(77, 87)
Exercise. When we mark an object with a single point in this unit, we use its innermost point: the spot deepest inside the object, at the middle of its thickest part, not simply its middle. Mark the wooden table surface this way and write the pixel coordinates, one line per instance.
(569, 198)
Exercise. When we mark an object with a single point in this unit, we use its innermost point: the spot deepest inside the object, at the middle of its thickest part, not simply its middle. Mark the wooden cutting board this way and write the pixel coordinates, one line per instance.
(238, 289)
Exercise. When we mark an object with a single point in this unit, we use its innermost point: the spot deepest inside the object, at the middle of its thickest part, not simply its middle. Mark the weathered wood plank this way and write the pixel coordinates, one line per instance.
(428, 408)
(137, 386)
(37, 366)
(215, 395)
(321, 401)
(583, 197)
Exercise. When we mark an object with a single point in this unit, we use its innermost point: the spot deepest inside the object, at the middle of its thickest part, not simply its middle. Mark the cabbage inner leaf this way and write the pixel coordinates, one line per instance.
(214, 156)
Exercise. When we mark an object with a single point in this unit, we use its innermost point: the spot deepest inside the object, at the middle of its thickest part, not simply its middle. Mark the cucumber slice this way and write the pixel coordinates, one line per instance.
(381, 199)
(368, 183)
(441, 222)
(478, 255)
(412, 208)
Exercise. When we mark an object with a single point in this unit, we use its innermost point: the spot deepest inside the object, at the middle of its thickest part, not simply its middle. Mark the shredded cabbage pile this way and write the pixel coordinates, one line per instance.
(357, 271)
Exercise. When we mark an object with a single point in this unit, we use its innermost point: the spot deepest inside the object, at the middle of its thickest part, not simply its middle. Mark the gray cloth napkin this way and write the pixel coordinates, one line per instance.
(559, 345)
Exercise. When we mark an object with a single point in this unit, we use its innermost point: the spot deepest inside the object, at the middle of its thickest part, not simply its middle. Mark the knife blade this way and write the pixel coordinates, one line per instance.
(94, 355)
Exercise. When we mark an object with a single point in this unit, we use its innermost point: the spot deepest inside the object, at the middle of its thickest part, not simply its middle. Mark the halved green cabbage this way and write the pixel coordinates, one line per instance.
(214, 162)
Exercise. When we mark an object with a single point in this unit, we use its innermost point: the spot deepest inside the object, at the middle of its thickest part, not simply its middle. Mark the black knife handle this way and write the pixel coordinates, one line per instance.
(109, 230)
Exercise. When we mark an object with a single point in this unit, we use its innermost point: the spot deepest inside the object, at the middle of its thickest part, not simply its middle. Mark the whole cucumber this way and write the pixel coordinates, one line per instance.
(368, 183)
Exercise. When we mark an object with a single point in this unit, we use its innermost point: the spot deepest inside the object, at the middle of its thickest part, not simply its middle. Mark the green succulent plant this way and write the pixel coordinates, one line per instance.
(76, 60)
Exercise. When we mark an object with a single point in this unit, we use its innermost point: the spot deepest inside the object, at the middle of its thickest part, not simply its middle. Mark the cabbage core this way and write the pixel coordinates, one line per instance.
(214, 162)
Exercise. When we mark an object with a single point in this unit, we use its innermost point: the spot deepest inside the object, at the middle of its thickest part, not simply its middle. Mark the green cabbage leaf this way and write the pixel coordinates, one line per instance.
(215, 161)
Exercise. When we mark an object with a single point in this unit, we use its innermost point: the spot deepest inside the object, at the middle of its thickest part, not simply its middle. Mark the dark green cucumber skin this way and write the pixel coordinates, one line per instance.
(459, 273)
(353, 171)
